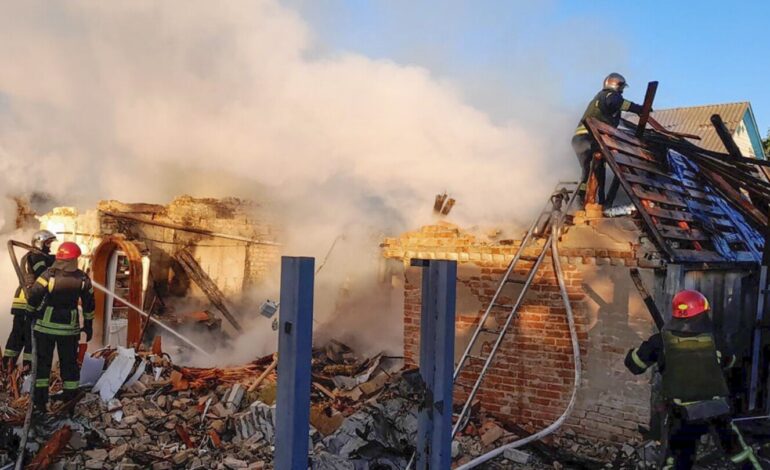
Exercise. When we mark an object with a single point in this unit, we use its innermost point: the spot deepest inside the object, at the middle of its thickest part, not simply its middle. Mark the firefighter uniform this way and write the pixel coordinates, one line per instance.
(606, 107)
(694, 390)
(58, 324)
(32, 265)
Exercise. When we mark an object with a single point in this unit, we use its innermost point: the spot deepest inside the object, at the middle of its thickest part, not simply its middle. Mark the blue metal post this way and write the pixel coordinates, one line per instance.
(295, 347)
(437, 340)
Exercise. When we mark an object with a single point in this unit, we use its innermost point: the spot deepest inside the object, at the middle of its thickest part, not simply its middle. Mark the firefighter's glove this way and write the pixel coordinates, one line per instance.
(88, 329)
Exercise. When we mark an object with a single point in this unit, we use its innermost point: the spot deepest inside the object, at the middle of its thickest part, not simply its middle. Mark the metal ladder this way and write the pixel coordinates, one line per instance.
(540, 229)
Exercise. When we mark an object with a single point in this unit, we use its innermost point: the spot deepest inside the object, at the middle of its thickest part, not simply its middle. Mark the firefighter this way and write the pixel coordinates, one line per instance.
(694, 388)
(32, 265)
(606, 107)
(56, 294)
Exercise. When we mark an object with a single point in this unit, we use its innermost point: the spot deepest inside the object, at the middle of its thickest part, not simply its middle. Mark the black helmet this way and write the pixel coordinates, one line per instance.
(615, 81)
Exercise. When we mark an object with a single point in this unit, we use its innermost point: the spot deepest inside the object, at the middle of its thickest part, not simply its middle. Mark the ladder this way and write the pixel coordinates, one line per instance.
(564, 192)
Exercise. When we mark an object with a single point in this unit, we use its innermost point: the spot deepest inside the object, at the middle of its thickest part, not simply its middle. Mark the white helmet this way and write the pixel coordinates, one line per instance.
(42, 239)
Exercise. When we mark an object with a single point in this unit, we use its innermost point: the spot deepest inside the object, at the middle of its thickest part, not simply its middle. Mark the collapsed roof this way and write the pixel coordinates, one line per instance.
(697, 205)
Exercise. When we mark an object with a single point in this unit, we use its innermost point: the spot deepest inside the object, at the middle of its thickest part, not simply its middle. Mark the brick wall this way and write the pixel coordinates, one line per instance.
(531, 378)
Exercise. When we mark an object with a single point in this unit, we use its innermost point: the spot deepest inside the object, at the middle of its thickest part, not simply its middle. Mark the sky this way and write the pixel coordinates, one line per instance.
(701, 52)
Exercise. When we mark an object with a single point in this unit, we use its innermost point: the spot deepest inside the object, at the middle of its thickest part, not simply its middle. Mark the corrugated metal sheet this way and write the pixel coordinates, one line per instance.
(697, 120)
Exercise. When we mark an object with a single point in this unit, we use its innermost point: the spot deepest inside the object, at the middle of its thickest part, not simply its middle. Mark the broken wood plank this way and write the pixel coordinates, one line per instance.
(187, 228)
(324, 390)
(725, 136)
(670, 199)
(657, 317)
(209, 288)
(264, 374)
(757, 218)
(666, 186)
(649, 97)
(620, 134)
(181, 431)
(632, 150)
(613, 159)
(157, 346)
(682, 234)
(699, 256)
(623, 159)
(216, 441)
(48, 454)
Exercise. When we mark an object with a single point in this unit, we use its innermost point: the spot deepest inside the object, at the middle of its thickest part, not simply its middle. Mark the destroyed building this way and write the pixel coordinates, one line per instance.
(209, 249)
(695, 220)
(691, 226)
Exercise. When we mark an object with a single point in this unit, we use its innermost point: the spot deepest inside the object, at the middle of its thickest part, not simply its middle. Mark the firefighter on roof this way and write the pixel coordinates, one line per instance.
(57, 293)
(694, 387)
(32, 265)
(606, 107)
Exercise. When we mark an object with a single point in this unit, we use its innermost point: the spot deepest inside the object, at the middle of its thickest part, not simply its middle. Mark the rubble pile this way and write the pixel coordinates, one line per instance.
(140, 410)
(144, 411)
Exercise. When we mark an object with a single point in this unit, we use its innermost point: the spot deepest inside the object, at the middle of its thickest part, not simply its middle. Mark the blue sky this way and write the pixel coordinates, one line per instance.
(526, 59)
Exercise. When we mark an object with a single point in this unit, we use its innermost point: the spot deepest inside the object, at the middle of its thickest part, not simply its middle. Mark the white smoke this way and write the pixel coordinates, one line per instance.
(140, 100)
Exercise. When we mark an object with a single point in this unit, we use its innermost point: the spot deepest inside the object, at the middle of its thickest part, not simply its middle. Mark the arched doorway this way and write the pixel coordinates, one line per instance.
(114, 258)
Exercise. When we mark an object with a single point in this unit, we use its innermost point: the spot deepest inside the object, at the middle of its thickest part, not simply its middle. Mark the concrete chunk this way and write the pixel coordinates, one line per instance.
(516, 455)
(234, 397)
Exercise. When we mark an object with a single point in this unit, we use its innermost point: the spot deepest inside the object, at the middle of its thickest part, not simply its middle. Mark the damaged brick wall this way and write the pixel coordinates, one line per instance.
(530, 381)
(232, 264)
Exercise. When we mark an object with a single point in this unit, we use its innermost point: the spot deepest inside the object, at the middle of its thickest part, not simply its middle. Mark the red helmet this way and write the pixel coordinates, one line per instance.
(68, 250)
(688, 304)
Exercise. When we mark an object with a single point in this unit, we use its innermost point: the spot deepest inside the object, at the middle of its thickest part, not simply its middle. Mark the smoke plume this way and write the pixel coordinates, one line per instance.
(141, 101)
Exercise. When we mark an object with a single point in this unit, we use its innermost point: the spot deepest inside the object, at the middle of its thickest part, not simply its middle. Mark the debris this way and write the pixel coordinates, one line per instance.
(490, 433)
(234, 397)
(215, 440)
(233, 463)
(324, 390)
(181, 431)
(118, 452)
(325, 420)
(137, 374)
(178, 382)
(49, 452)
(264, 374)
(157, 347)
(91, 370)
(115, 375)
(516, 455)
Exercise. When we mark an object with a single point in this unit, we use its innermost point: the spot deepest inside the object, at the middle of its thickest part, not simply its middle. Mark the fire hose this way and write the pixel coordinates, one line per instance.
(33, 362)
(33, 371)
(555, 228)
(150, 318)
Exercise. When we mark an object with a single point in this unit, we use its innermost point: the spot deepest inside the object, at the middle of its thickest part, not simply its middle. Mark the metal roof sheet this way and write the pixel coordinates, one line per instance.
(697, 120)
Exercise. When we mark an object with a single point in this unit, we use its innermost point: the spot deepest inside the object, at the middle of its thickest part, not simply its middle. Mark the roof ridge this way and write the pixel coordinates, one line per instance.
(716, 105)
